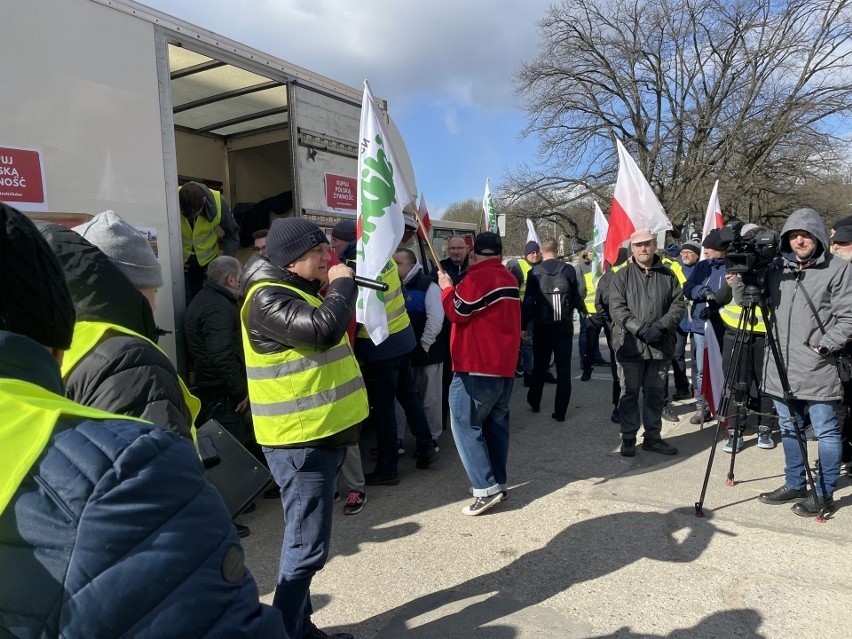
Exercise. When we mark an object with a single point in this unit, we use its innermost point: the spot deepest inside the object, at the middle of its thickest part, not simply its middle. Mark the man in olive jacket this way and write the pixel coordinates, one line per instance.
(646, 304)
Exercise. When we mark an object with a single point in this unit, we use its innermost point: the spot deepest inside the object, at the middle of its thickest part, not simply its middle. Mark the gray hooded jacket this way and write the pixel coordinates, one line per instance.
(828, 282)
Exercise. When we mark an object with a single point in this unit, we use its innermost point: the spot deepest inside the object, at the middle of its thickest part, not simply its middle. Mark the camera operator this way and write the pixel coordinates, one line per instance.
(841, 246)
(750, 370)
(810, 298)
(702, 287)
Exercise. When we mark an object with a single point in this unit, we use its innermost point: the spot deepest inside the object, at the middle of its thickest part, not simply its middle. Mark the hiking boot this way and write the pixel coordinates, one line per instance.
(696, 419)
(659, 446)
(682, 394)
(381, 479)
(765, 441)
(615, 417)
(729, 444)
(558, 418)
(481, 504)
(536, 408)
(782, 495)
(242, 531)
(310, 631)
(669, 415)
(809, 507)
(628, 448)
(354, 502)
(586, 376)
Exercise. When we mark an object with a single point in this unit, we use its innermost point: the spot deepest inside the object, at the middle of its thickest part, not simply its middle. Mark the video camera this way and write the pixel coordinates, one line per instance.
(749, 255)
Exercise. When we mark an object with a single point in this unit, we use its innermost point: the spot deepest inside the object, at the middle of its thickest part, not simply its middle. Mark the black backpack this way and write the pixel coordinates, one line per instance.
(555, 290)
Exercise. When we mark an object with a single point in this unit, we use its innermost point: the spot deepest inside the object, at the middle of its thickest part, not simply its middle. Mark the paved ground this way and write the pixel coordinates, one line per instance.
(589, 544)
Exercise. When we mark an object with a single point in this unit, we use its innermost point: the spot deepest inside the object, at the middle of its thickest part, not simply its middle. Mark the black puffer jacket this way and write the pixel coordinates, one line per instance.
(124, 375)
(279, 319)
(213, 333)
(639, 297)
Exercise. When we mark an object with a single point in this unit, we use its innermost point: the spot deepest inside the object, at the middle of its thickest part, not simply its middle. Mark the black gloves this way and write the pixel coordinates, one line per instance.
(708, 312)
(710, 300)
(652, 332)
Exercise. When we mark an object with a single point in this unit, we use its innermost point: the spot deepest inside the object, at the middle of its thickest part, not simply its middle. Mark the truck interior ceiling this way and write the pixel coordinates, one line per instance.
(232, 133)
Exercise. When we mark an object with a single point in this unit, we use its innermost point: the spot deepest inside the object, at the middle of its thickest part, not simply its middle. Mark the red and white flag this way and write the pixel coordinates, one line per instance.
(634, 206)
(713, 217)
(712, 374)
(423, 212)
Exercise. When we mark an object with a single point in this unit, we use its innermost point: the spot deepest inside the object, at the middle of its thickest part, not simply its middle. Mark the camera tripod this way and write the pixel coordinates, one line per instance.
(737, 391)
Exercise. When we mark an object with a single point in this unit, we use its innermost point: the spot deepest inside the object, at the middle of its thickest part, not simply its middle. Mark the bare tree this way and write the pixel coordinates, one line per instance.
(749, 92)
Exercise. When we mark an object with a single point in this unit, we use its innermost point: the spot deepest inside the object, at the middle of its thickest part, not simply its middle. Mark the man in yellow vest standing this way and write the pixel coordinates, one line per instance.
(106, 519)
(307, 396)
(202, 212)
(114, 363)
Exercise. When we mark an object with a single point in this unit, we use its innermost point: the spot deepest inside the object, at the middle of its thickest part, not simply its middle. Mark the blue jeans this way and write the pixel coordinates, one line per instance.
(527, 351)
(829, 448)
(479, 411)
(307, 480)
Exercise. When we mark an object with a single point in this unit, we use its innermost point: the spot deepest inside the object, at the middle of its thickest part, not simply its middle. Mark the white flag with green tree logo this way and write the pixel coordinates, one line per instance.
(488, 209)
(598, 239)
(382, 194)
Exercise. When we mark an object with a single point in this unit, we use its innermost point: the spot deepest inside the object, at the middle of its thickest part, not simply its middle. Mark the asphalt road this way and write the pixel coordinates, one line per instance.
(588, 544)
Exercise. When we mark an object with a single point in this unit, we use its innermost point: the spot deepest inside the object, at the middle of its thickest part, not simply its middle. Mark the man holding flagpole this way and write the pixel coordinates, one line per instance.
(385, 339)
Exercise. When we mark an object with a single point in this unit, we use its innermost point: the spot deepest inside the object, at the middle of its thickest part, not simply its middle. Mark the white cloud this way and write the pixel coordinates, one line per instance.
(464, 50)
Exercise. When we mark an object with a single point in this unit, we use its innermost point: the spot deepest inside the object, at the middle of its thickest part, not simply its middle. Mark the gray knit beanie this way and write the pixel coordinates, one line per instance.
(290, 238)
(125, 246)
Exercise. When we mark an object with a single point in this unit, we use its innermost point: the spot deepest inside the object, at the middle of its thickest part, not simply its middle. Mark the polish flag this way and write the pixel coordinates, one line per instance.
(634, 206)
(712, 375)
(423, 212)
(713, 217)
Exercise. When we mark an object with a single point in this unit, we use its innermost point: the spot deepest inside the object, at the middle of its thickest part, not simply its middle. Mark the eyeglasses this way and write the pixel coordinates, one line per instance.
(259, 250)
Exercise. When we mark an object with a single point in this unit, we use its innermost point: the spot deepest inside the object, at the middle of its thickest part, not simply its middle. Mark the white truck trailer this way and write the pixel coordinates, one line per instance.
(111, 105)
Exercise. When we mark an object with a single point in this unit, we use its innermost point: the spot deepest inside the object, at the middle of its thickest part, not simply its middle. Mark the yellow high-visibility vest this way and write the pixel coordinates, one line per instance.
(30, 413)
(675, 267)
(397, 316)
(302, 394)
(589, 299)
(87, 335)
(202, 238)
(526, 267)
(730, 314)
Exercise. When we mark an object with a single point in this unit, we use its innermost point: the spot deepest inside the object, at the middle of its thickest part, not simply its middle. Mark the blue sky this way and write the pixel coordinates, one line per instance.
(444, 66)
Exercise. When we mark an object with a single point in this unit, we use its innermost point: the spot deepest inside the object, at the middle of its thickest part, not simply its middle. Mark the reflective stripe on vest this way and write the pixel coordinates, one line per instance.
(301, 394)
(676, 268)
(202, 239)
(730, 314)
(526, 267)
(87, 335)
(589, 299)
(397, 316)
(30, 414)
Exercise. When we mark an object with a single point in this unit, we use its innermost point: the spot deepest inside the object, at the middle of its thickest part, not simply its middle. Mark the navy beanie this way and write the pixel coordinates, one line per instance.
(531, 246)
(290, 238)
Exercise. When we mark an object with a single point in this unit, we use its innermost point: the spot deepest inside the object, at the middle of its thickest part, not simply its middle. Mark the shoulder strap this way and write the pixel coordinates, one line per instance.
(811, 304)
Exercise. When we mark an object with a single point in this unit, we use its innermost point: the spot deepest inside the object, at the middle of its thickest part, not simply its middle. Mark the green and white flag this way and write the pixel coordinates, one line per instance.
(488, 209)
(382, 194)
(598, 239)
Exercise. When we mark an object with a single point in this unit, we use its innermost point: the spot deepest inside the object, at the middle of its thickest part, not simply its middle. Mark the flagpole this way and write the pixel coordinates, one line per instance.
(428, 241)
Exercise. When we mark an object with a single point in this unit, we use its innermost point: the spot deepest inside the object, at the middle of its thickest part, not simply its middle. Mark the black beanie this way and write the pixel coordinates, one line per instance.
(290, 238)
(34, 298)
(344, 230)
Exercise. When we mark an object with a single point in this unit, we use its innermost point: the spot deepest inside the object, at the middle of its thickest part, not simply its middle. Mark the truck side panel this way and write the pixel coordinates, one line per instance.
(80, 84)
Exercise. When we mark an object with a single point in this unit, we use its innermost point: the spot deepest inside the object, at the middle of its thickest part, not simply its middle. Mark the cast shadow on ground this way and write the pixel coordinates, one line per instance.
(570, 558)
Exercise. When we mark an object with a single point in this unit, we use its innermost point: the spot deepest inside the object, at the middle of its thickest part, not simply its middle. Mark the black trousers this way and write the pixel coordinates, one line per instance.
(556, 339)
